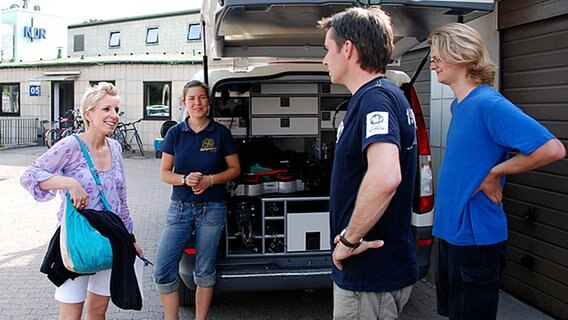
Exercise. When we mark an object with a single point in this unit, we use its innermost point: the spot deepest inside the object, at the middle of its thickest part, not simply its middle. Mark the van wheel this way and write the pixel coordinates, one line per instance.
(186, 296)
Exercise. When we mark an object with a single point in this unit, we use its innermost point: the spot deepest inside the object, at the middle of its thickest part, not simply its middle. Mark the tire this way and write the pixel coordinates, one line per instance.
(139, 142)
(66, 133)
(51, 137)
(119, 136)
(186, 296)
(166, 126)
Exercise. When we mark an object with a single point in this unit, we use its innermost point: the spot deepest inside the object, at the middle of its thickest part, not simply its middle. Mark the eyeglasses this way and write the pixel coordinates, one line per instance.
(435, 60)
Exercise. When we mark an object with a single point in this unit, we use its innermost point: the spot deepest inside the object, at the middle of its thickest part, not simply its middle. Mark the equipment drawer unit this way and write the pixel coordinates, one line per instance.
(332, 105)
(284, 105)
(305, 221)
(237, 125)
(334, 89)
(285, 88)
(327, 119)
(284, 126)
(287, 225)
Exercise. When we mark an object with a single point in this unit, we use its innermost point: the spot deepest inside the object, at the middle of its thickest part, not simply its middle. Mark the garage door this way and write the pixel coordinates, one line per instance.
(535, 77)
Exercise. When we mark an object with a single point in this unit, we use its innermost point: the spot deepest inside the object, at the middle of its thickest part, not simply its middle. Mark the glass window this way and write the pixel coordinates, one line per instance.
(157, 100)
(114, 39)
(78, 42)
(152, 35)
(194, 32)
(10, 99)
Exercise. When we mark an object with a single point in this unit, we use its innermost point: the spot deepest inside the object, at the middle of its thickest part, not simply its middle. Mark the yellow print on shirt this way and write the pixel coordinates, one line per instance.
(208, 144)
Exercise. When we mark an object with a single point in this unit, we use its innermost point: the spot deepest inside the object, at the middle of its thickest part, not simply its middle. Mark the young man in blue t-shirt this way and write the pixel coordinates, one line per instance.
(374, 168)
(470, 221)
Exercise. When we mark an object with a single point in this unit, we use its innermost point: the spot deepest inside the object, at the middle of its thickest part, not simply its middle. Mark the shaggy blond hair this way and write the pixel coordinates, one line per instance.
(460, 44)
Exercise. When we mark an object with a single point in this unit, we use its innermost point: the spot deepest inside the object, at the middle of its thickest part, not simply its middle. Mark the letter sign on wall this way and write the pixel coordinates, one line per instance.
(33, 32)
(35, 89)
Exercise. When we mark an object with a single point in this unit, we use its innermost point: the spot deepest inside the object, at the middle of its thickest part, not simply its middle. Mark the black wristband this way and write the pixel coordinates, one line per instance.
(348, 244)
(132, 237)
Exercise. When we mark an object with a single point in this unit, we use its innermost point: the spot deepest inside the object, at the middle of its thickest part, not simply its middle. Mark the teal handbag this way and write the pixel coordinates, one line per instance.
(83, 248)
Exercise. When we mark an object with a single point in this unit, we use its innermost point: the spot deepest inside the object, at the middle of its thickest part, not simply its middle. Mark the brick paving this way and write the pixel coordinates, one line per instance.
(26, 227)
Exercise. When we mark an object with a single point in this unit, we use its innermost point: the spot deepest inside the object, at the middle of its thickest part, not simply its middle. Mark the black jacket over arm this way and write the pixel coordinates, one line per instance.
(124, 290)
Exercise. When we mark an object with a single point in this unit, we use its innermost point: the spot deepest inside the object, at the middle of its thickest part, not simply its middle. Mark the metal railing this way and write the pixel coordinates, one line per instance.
(18, 131)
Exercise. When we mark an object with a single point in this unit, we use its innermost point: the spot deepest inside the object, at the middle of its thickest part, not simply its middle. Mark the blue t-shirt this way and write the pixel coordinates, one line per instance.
(377, 112)
(199, 152)
(485, 126)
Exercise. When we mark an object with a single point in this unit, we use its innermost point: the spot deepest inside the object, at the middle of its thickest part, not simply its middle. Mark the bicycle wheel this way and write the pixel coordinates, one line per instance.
(67, 132)
(51, 137)
(139, 142)
(119, 136)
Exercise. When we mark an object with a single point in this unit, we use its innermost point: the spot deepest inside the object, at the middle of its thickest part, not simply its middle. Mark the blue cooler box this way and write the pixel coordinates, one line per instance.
(158, 147)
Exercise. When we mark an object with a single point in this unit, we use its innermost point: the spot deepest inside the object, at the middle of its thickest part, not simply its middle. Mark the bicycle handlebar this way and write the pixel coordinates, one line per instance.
(130, 124)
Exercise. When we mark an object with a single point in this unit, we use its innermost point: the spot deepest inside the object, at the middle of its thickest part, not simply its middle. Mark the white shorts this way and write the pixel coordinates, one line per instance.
(75, 290)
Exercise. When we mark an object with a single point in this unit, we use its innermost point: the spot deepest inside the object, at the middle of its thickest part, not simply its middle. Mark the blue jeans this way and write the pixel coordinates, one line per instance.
(467, 280)
(205, 220)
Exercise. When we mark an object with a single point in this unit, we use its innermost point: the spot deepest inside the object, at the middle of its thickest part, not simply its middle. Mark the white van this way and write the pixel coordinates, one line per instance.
(270, 88)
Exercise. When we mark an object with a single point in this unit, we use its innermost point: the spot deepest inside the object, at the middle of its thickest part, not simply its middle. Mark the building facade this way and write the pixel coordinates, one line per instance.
(149, 58)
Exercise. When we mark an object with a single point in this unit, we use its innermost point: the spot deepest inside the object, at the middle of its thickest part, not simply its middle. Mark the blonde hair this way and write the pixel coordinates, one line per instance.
(460, 44)
(93, 95)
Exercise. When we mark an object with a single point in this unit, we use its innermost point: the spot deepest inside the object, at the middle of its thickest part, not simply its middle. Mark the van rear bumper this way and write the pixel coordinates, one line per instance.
(244, 277)
(424, 251)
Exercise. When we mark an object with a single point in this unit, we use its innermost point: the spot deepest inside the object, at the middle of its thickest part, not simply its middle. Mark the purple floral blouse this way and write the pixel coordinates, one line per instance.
(66, 158)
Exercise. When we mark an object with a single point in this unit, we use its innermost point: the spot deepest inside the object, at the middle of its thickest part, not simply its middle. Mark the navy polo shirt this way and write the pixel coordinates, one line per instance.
(203, 152)
(377, 112)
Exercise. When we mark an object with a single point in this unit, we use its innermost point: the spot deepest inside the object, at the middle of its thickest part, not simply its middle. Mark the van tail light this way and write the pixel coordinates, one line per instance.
(190, 251)
(425, 242)
(424, 201)
(421, 131)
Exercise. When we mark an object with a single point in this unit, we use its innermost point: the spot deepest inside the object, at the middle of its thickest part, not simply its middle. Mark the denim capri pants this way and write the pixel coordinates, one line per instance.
(205, 220)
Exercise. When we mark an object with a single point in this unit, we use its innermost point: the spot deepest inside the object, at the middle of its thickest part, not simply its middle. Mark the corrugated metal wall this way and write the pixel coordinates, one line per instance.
(534, 71)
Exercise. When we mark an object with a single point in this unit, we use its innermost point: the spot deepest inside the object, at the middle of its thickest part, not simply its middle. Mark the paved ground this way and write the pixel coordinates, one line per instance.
(26, 227)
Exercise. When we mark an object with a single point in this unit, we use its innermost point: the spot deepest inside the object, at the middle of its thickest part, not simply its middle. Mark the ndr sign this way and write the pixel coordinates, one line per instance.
(33, 32)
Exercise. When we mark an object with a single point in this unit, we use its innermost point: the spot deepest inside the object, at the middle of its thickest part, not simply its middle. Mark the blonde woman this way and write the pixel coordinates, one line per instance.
(63, 168)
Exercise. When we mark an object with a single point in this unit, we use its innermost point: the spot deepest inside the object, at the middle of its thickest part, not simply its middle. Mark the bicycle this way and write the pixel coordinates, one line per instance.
(61, 128)
(121, 135)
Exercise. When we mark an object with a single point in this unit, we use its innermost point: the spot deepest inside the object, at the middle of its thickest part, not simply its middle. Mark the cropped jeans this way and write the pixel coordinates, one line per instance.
(205, 220)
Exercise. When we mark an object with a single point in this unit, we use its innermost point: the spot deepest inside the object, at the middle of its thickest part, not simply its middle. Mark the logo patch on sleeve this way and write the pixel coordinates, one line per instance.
(377, 123)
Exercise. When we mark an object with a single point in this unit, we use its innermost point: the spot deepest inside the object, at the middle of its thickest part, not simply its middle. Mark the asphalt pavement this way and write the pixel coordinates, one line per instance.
(26, 227)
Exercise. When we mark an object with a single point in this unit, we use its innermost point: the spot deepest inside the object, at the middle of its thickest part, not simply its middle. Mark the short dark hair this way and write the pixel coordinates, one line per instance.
(369, 29)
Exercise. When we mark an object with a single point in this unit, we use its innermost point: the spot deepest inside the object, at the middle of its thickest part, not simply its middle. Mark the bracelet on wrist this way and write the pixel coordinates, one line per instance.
(345, 242)
(211, 184)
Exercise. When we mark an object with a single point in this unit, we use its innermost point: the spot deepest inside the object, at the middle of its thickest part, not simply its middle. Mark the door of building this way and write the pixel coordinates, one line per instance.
(62, 98)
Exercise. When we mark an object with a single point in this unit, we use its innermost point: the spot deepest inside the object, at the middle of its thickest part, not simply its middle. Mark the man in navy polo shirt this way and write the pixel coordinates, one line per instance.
(374, 168)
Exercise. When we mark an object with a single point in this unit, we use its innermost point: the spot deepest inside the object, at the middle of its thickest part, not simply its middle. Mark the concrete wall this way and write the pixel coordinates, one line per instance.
(129, 80)
(173, 31)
